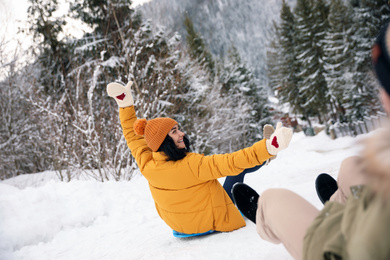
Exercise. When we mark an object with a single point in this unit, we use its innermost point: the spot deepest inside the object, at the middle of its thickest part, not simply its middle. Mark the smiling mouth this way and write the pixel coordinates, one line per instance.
(180, 142)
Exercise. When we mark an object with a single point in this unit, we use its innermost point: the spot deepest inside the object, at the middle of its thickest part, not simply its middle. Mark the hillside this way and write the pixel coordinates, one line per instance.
(247, 25)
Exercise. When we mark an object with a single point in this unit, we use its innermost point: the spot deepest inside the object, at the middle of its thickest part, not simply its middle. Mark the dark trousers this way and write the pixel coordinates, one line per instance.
(231, 180)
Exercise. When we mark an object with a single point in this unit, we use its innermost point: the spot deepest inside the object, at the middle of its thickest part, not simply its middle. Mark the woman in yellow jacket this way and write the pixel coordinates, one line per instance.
(184, 185)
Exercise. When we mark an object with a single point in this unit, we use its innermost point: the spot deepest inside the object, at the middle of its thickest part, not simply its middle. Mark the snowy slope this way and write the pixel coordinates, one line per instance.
(43, 218)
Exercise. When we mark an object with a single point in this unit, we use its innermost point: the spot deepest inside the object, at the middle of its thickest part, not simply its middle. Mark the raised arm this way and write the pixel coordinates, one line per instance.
(137, 144)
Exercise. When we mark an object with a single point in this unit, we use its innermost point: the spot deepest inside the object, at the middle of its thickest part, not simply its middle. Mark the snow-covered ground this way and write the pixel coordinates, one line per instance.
(43, 218)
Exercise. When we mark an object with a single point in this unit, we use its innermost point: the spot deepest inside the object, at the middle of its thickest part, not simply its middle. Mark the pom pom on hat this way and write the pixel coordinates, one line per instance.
(139, 126)
(154, 130)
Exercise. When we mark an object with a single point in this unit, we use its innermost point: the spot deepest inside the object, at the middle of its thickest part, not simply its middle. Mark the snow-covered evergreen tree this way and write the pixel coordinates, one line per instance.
(197, 48)
(53, 52)
(285, 67)
(311, 27)
(245, 102)
(361, 97)
(338, 58)
(274, 60)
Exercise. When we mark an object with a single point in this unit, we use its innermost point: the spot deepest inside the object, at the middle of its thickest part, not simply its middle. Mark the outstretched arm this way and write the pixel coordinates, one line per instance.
(220, 165)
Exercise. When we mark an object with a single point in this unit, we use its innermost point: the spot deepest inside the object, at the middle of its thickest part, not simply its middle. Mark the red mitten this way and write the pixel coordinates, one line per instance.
(121, 94)
(279, 140)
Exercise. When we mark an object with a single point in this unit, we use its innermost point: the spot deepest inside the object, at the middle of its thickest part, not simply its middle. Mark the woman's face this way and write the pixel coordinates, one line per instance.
(177, 137)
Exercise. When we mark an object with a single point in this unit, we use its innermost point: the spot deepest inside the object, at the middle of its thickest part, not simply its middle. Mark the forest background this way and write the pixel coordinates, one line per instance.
(217, 67)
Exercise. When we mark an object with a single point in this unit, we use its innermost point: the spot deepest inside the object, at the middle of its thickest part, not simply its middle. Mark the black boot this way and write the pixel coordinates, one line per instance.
(325, 187)
(245, 199)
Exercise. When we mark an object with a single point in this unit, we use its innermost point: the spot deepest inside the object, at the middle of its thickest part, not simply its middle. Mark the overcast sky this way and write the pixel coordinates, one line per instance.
(12, 13)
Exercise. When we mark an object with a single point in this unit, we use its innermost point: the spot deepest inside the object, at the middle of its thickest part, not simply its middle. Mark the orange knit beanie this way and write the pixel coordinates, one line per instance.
(154, 130)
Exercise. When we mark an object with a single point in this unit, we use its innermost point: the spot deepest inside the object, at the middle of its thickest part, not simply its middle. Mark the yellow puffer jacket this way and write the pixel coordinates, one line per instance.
(187, 194)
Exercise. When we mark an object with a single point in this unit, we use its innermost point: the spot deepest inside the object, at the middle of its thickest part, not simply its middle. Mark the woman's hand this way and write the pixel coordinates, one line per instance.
(279, 140)
(121, 94)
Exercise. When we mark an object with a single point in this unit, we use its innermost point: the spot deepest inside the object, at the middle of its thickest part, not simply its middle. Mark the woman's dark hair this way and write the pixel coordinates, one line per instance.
(170, 149)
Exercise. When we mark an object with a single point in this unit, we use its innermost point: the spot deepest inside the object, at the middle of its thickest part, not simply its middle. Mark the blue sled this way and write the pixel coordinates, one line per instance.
(178, 234)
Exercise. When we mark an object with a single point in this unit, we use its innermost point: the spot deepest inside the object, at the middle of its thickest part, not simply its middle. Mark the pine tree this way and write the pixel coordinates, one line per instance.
(246, 101)
(304, 43)
(103, 16)
(361, 98)
(311, 31)
(197, 47)
(274, 60)
(338, 56)
(53, 52)
(289, 66)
